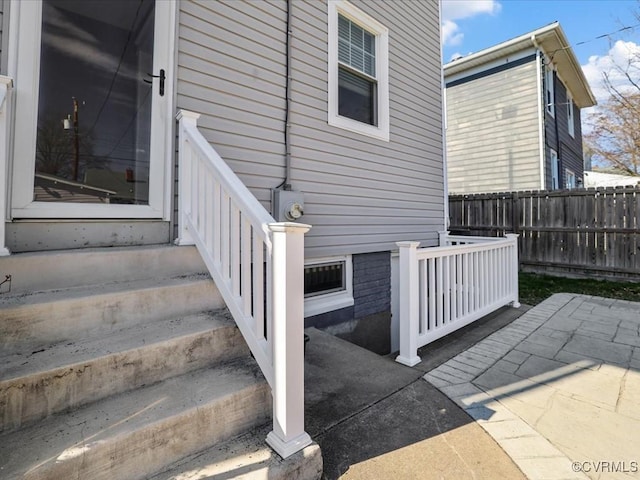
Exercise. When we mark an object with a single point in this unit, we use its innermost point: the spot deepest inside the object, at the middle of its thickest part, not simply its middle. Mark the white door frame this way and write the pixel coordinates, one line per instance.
(24, 67)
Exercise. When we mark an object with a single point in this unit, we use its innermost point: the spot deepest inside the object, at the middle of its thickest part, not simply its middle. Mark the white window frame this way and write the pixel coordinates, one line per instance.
(549, 90)
(555, 169)
(381, 130)
(570, 175)
(323, 303)
(570, 119)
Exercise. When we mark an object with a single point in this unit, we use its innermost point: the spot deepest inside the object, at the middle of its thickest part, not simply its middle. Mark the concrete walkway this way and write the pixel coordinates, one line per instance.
(377, 419)
(558, 388)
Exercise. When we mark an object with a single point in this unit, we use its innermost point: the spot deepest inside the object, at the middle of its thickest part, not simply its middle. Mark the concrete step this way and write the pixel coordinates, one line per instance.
(55, 270)
(36, 384)
(33, 321)
(136, 434)
(248, 457)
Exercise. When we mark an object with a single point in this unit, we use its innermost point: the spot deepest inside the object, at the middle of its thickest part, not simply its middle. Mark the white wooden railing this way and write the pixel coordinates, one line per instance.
(258, 266)
(445, 288)
(6, 111)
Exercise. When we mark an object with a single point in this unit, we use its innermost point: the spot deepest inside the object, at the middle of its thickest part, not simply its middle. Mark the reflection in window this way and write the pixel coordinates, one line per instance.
(356, 72)
(94, 107)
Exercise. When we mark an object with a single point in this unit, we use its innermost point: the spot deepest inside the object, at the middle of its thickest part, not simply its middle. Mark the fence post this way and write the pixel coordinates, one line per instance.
(443, 238)
(184, 176)
(409, 303)
(513, 269)
(6, 112)
(288, 434)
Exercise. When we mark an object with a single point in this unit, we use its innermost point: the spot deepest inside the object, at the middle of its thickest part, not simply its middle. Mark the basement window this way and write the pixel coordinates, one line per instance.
(328, 285)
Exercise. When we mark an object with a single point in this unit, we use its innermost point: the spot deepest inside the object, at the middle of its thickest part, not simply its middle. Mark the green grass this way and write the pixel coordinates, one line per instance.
(535, 288)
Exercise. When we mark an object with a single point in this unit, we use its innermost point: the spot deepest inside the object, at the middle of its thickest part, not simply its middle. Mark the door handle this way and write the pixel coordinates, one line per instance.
(162, 78)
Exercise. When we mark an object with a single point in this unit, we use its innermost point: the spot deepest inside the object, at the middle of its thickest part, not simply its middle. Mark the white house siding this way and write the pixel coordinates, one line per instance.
(361, 194)
(493, 132)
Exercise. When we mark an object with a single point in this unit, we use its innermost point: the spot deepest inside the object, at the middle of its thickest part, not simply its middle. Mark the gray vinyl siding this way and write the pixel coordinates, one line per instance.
(361, 194)
(493, 132)
(231, 70)
(568, 148)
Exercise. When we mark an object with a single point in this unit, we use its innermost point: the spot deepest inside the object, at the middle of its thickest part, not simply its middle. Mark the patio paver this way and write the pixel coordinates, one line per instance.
(558, 388)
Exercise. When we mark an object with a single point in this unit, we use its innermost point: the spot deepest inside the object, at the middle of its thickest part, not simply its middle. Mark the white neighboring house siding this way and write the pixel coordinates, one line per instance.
(361, 194)
(493, 127)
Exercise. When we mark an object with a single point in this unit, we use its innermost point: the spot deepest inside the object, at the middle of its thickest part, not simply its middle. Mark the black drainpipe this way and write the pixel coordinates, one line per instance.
(286, 185)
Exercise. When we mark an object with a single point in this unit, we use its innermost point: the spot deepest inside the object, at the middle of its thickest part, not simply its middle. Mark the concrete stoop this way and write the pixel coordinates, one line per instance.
(118, 363)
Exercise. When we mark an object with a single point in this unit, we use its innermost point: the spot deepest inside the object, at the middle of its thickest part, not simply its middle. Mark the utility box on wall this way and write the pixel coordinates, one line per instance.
(288, 205)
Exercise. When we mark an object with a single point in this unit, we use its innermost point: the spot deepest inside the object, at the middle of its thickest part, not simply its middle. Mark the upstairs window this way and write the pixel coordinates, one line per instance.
(548, 88)
(358, 71)
(570, 121)
(357, 83)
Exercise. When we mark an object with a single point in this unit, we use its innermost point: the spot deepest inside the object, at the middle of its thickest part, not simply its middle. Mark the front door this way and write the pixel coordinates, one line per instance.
(93, 117)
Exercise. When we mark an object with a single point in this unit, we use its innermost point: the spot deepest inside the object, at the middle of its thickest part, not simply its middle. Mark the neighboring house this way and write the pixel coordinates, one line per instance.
(602, 179)
(513, 115)
(353, 141)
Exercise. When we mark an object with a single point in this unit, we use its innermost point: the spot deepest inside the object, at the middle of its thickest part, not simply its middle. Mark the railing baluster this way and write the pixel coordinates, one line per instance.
(258, 286)
(245, 265)
(225, 253)
(217, 223)
(432, 294)
(235, 250)
(439, 292)
(423, 297)
(460, 285)
(446, 317)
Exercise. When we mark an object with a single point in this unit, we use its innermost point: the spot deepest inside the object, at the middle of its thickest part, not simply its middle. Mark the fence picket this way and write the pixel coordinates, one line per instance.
(593, 232)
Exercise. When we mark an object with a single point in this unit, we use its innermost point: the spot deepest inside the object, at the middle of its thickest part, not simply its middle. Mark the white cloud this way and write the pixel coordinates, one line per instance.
(622, 56)
(459, 9)
(451, 34)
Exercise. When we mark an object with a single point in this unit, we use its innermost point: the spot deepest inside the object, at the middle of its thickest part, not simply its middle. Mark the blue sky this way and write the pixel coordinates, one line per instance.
(472, 25)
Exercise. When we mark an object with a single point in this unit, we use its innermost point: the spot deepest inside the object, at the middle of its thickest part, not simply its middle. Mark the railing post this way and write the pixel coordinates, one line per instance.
(513, 268)
(409, 303)
(288, 435)
(443, 238)
(6, 84)
(184, 176)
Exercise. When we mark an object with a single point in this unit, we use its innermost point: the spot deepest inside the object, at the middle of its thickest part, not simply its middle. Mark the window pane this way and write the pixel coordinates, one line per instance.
(369, 65)
(94, 110)
(357, 58)
(356, 46)
(356, 97)
(325, 278)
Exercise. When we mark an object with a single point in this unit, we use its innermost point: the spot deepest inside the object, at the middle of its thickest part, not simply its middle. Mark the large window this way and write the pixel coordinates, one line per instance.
(358, 71)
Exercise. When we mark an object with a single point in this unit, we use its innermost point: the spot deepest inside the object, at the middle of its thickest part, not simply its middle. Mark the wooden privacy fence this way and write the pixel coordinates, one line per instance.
(583, 232)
